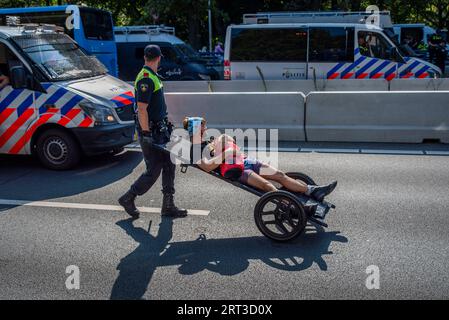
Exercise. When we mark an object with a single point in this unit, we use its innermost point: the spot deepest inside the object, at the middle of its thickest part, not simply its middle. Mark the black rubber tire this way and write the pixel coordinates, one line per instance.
(57, 150)
(289, 211)
(302, 177)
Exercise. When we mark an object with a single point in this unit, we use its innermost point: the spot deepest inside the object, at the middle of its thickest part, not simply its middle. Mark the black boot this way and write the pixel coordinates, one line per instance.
(320, 192)
(127, 202)
(170, 210)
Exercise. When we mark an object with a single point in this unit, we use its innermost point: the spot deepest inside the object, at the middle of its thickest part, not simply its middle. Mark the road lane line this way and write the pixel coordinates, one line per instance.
(102, 207)
(404, 152)
(335, 150)
(437, 153)
(280, 149)
(330, 150)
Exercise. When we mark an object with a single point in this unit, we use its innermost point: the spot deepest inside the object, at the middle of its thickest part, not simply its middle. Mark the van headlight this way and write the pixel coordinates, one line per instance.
(100, 114)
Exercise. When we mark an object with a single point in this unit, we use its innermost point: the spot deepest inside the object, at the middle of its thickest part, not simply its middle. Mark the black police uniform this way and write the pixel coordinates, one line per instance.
(148, 89)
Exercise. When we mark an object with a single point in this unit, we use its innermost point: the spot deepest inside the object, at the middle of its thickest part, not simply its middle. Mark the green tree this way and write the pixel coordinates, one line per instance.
(190, 18)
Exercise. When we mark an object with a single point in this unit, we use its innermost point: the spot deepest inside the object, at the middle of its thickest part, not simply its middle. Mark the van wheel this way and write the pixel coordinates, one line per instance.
(57, 150)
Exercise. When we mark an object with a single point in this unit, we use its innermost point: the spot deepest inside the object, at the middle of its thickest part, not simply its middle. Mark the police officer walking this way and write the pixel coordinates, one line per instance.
(154, 132)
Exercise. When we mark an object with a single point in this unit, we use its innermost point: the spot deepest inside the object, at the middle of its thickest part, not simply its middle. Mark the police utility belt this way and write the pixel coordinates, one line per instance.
(160, 131)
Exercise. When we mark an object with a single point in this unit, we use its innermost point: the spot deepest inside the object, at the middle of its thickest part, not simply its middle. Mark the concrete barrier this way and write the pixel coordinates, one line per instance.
(259, 86)
(379, 116)
(351, 85)
(441, 84)
(304, 86)
(307, 86)
(283, 111)
(186, 86)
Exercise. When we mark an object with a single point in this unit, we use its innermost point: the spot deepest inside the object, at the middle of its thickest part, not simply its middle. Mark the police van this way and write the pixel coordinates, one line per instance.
(285, 50)
(179, 62)
(60, 103)
(417, 36)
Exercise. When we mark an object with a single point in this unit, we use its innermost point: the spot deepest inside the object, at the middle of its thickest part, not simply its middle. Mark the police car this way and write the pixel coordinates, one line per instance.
(60, 103)
(275, 46)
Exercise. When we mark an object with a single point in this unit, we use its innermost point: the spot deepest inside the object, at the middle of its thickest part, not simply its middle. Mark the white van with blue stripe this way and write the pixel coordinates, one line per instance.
(60, 103)
(291, 51)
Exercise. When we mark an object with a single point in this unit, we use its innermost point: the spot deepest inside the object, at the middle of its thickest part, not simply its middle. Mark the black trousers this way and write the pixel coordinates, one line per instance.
(156, 162)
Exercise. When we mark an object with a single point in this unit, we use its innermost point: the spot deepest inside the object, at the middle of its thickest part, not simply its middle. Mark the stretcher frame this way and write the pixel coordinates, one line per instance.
(289, 206)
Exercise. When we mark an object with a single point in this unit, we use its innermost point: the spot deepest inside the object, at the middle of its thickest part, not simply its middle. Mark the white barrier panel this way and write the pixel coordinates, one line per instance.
(351, 85)
(280, 110)
(259, 86)
(186, 86)
(441, 84)
(304, 86)
(408, 117)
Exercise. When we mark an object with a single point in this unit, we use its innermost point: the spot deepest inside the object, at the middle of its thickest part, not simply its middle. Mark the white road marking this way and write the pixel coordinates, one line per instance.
(437, 153)
(282, 149)
(86, 206)
(329, 150)
(377, 151)
(335, 150)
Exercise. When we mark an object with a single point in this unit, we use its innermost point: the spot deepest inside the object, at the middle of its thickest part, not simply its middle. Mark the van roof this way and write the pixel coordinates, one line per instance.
(8, 32)
(33, 9)
(358, 17)
(120, 38)
(410, 25)
(45, 9)
(13, 31)
(287, 25)
(149, 33)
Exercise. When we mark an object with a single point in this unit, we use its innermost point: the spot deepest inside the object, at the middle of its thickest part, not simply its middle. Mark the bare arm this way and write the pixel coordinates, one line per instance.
(211, 164)
(144, 92)
(143, 116)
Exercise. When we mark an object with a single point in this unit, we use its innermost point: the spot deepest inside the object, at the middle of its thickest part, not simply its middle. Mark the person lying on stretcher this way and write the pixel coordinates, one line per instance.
(253, 172)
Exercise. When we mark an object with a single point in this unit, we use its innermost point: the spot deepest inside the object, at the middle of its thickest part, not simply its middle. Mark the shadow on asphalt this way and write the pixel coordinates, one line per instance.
(23, 178)
(226, 257)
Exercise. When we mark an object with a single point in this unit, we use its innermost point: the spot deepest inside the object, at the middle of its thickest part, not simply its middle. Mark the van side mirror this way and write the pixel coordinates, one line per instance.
(391, 54)
(396, 55)
(18, 77)
(21, 78)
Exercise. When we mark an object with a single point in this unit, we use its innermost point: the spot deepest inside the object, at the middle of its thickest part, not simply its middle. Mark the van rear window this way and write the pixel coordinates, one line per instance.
(267, 44)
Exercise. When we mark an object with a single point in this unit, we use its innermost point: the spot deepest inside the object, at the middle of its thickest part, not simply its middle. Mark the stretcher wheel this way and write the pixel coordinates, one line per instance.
(310, 211)
(280, 216)
(302, 177)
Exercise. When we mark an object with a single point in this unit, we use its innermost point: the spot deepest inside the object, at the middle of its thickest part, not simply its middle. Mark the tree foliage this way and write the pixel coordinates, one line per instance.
(190, 17)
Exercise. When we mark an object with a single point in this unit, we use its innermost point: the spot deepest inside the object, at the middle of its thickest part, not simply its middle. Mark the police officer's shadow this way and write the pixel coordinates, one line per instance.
(23, 178)
(226, 257)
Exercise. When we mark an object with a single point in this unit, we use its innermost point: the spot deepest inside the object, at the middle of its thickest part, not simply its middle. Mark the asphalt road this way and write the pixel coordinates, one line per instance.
(392, 212)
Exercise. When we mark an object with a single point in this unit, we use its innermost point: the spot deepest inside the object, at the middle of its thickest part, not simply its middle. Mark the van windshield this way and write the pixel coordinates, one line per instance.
(188, 51)
(59, 57)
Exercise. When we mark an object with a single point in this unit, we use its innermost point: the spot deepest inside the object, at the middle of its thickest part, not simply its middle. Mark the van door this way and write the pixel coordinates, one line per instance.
(375, 57)
(331, 53)
(17, 109)
(268, 53)
(170, 68)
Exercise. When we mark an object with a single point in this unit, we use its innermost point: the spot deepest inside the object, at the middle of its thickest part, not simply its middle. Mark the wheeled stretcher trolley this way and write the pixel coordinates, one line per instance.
(279, 215)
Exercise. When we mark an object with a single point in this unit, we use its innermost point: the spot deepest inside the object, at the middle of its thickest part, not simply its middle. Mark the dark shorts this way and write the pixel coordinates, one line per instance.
(251, 165)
